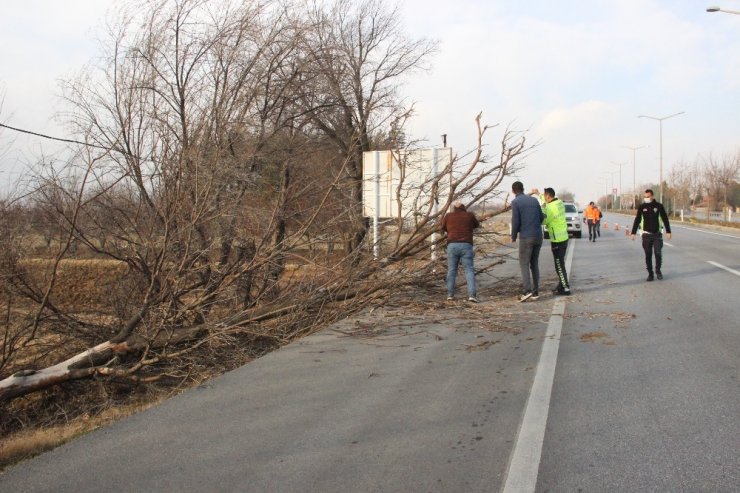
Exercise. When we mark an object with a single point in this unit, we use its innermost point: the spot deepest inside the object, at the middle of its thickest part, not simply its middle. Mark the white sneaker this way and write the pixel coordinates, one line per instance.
(473, 299)
(450, 298)
(525, 296)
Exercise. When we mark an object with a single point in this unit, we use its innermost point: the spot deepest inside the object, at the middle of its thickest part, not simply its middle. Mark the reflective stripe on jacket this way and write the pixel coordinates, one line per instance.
(592, 213)
(555, 221)
(651, 218)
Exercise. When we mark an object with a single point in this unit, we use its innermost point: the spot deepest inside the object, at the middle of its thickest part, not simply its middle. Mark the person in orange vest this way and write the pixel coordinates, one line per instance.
(597, 226)
(592, 217)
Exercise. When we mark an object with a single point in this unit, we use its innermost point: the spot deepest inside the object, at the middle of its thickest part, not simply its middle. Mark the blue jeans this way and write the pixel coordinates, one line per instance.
(457, 252)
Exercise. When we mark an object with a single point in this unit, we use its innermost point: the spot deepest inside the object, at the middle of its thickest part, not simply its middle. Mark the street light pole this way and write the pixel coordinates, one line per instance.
(620, 181)
(606, 193)
(660, 121)
(612, 173)
(634, 181)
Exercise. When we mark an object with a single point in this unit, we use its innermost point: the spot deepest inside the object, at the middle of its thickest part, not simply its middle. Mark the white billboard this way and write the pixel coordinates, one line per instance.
(393, 179)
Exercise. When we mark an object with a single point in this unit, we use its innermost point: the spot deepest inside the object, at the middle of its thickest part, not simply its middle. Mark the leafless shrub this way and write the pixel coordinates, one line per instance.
(720, 177)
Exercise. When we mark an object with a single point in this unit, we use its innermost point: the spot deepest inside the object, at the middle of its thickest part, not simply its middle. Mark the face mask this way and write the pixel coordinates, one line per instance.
(647, 200)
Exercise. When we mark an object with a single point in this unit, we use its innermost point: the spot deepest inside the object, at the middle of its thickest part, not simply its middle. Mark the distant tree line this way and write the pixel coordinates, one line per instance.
(711, 181)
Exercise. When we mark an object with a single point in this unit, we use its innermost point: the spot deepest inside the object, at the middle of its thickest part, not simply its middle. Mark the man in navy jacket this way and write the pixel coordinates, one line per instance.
(526, 223)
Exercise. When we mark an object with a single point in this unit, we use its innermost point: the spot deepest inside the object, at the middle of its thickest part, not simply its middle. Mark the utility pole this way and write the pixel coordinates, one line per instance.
(634, 181)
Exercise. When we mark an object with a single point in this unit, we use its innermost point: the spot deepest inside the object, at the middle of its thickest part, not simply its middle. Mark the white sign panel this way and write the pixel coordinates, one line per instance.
(407, 184)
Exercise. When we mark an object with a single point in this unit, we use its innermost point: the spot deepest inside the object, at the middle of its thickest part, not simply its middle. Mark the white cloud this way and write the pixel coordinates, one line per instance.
(578, 73)
(587, 114)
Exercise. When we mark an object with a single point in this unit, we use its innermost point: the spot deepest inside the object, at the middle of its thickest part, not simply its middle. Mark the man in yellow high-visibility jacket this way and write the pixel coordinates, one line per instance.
(557, 228)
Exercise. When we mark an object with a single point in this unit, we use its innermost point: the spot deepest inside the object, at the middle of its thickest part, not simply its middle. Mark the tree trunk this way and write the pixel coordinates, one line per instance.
(27, 381)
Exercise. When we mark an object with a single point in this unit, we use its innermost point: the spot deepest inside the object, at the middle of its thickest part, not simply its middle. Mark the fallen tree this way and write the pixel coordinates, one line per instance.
(330, 291)
(209, 177)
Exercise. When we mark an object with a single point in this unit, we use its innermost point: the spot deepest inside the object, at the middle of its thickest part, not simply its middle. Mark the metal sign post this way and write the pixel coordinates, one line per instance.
(435, 206)
(376, 212)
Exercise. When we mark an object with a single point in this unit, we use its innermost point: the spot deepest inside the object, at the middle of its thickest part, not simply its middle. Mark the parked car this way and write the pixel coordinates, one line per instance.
(574, 218)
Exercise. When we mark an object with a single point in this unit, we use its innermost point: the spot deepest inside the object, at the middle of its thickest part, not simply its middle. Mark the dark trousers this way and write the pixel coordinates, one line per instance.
(529, 255)
(558, 254)
(591, 228)
(653, 244)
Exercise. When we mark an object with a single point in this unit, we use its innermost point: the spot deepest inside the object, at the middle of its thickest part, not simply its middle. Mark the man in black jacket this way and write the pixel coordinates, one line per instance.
(651, 218)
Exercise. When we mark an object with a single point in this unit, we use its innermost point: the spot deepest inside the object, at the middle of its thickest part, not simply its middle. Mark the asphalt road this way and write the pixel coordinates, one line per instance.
(646, 394)
(641, 394)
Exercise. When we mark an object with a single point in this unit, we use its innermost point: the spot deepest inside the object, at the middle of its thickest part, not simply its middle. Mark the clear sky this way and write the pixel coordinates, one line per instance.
(575, 73)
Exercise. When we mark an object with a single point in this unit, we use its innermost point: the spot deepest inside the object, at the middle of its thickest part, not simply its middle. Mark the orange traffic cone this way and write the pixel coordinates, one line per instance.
(606, 225)
(626, 232)
(616, 227)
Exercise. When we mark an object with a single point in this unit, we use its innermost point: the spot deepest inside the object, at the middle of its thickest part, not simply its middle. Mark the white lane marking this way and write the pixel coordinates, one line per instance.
(525, 459)
(705, 231)
(733, 271)
(668, 244)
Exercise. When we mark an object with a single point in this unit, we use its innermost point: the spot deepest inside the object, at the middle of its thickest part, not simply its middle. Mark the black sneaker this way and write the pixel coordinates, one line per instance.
(650, 277)
(564, 292)
(659, 275)
(525, 296)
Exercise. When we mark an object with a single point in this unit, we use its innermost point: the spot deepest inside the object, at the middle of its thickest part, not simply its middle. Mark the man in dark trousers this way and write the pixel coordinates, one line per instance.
(526, 223)
(459, 225)
(651, 218)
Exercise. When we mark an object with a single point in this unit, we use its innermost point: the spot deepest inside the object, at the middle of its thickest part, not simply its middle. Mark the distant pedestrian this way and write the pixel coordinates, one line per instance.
(526, 223)
(651, 218)
(598, 222)
(592, 219)
(459, 225)
(557, 229)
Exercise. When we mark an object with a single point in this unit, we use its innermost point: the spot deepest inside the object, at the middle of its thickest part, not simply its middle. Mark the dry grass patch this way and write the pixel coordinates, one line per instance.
(30, 442)
(80, 284)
